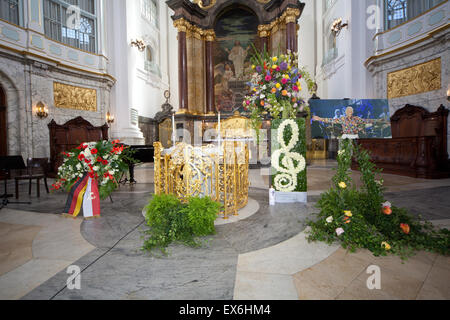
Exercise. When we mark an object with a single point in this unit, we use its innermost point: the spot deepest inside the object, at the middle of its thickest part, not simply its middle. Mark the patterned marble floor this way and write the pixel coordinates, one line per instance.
(235, 263)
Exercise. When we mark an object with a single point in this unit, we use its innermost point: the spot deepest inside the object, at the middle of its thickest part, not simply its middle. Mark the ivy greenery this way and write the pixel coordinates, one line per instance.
(362, 221)
(169, 220)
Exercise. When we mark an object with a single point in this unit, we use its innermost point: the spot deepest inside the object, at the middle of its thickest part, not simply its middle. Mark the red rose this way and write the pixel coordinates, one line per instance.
(94, 151)
(80, 156)
(105, 162)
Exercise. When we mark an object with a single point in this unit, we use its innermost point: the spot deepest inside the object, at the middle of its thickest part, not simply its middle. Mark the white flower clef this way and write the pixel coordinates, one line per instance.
(286, 180)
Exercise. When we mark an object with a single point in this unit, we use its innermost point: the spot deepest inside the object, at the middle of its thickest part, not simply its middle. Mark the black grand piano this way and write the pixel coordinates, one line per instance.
(144, 154)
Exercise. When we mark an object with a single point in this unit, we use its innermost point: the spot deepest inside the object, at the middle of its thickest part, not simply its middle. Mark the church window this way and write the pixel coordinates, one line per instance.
(10, 10)
(400, 11)
(149, 10)
(64, 25)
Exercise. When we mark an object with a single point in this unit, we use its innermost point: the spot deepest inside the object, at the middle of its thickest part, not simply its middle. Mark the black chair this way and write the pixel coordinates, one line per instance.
(37, 169)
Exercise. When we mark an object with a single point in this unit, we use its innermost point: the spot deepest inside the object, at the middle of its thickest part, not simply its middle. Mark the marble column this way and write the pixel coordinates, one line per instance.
(290, 17)
(182, 25)
(209, 66)
(264, 33)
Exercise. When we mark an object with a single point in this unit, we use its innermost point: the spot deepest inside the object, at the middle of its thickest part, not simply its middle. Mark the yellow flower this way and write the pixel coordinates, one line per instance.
(253, 67)
(274, 66)
(286, 76)
(386, 245)
(278, 86)
(274, 59)
(348, 213)
(342, 185)
(254, 89)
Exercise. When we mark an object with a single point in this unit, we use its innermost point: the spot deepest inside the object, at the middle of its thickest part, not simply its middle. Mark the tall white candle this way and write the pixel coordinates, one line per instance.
(173, 130)
(219, 131)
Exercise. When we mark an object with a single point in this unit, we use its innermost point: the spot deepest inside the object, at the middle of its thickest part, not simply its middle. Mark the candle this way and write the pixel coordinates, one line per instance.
(173, 129)
(219, 133)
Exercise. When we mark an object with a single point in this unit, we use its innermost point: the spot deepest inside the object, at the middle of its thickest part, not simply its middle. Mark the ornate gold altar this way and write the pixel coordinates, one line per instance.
(220, 173)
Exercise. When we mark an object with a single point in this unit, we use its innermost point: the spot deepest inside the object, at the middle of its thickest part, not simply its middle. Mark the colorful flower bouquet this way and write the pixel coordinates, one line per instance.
(275, 87)
(103, 161)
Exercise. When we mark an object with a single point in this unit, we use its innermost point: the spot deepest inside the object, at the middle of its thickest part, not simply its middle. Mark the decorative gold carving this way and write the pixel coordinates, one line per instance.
(264, 30)
(182, 25)
(418, 79)
(71, 97)
(263, 1)
(290, 15)
(189, 171)
(236, 127)
(201, 5)
(210, 35)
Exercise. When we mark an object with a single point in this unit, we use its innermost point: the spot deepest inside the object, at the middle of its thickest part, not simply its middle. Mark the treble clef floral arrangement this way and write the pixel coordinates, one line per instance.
(287, 160)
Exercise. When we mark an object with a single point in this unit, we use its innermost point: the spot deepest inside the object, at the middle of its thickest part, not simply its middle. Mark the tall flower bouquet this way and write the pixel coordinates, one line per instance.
(275, 87)
(276, 93)
(103, 161)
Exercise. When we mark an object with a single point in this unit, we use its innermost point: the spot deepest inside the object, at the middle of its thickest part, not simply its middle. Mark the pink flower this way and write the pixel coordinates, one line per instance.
(284, 81)
(339, 231)
(278, 69)
(247, 102)
(268, 77)
(295, 88)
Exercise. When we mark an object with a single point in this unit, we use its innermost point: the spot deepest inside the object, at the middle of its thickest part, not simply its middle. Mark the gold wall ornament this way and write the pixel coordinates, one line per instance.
(72, 97)
(414, 80)
(188, 171)
(201, 5)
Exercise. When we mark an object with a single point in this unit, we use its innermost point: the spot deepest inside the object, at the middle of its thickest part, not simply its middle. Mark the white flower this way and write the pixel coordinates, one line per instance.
(339, 231)
(341, 152)
(286, 179)
(95, 168)
(330, 219)
(386, 204)
(78, 166)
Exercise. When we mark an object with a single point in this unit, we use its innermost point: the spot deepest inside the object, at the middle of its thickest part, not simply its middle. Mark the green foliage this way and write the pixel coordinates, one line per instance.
(368, 226)
(170, 221)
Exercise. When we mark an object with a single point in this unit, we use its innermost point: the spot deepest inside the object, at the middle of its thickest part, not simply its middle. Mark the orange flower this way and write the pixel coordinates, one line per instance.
(284, 92)
(274, 90)
(387, 211)
(262, 103)
(294, 100)
(405, 228)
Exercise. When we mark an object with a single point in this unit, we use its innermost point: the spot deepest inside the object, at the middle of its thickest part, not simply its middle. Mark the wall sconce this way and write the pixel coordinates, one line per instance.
(448, 92)
(138, 44)
(41, 110)
(337, 27)
(109, 117)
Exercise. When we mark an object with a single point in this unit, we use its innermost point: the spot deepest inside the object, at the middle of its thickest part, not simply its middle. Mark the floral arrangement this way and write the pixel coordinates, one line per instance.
(103, 161)
(275, 87)
(288, 160)
(361, 218)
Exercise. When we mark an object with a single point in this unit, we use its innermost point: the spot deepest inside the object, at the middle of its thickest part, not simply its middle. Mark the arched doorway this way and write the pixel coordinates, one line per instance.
(3, 140)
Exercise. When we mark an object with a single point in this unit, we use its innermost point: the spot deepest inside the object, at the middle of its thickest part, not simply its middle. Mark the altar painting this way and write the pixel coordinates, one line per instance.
(236, 31)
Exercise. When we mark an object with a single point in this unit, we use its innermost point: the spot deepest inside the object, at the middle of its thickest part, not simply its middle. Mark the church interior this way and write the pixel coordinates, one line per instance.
(172, 82)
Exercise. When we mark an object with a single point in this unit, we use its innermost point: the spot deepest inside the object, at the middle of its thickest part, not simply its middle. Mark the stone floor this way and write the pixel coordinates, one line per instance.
(263, 256)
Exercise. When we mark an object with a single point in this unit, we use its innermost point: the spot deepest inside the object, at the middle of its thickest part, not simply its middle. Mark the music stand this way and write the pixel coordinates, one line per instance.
(8, 163)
